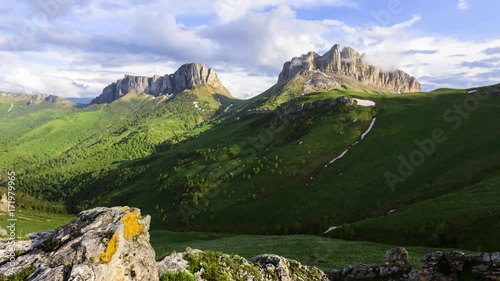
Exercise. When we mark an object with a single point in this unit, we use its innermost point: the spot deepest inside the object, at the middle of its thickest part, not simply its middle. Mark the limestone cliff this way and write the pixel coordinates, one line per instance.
(187, 77)
(339, 67)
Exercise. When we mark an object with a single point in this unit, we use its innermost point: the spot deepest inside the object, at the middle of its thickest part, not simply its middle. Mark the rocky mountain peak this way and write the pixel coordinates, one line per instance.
(338, 65)
(187, 77)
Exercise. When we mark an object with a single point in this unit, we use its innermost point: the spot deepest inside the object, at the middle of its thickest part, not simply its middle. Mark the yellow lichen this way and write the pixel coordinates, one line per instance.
(125, 208)
(132, 225)
(110, 249)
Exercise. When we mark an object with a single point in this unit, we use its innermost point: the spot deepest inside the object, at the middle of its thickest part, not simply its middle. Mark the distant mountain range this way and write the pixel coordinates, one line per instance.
(334, 70)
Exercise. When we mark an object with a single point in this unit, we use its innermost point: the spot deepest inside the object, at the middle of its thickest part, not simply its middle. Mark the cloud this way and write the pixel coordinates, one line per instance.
(80, 85)
(423, 52)
(462, 5)
(229, 10)
(492, 51)
(485, 63)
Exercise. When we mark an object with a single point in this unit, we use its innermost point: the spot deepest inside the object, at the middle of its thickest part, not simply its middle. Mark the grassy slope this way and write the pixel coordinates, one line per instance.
(311, 250)
(218, 180)
(468, 218)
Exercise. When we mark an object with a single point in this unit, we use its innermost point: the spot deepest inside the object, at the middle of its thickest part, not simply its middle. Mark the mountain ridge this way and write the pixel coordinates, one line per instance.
(332, 69)
(187, 77)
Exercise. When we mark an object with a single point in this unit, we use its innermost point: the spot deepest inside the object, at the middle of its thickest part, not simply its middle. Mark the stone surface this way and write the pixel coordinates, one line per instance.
(187, 77)
(396, 256)
(100, 244)
(345, 66)
(260, 268)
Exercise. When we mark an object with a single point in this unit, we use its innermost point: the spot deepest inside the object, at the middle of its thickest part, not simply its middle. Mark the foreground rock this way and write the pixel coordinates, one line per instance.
(113, 244)
(345, 68)
(435, 266)
(218, 266)
(187, 77)
(101, 244)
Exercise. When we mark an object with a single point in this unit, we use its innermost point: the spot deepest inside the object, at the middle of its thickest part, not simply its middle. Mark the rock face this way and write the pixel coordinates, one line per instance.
(187, 77)
(338, 67)
(101, 244)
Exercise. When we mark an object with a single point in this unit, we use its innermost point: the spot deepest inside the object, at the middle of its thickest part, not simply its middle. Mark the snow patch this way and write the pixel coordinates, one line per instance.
(338, 157)
(196, 104)
(369, 128)
(229, 107)
(365, 102)
(11, 106)
(362, 137)
(332, 228)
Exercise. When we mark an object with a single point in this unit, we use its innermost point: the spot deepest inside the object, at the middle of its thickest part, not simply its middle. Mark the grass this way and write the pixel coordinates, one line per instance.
(324, 253)
(34, 221)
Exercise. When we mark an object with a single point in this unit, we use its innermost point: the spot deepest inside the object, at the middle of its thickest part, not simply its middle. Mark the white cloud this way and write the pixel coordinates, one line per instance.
(228, 10)
(462, 5)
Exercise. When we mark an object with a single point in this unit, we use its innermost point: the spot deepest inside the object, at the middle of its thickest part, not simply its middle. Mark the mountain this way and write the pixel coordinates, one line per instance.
(187, 77)
(345, 68)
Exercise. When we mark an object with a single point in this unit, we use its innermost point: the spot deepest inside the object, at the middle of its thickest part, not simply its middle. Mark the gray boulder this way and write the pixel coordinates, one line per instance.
(100, 244)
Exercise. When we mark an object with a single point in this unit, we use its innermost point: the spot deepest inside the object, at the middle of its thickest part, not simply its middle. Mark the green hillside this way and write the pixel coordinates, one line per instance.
(206, 162)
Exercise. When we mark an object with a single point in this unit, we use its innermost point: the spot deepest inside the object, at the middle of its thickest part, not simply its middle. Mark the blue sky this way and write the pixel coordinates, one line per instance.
(76, 47)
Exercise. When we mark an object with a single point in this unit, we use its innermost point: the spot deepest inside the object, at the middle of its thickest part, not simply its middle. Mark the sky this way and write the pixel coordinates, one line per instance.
(74, 48)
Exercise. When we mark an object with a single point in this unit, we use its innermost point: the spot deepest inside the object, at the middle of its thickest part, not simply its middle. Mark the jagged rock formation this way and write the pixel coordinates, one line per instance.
(109, 244)
(345, 68)
(260, 268)
(100, 244)
(187, 77)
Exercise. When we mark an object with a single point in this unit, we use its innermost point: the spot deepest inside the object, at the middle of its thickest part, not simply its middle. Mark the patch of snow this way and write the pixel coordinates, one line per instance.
(365, 102)
(471, 91)
(338, 157)
(332, 228)
(227, 108)
(391, 211)
(369, 128)
(220, 103)
(196, 104)
(345, 151)
(11, 106)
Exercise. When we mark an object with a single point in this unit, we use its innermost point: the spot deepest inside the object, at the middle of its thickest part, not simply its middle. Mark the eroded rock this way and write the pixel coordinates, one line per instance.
(100, 244)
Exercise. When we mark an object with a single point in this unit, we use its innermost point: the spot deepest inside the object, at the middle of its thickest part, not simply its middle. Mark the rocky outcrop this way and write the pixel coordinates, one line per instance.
(109, 244)
(260, 268)
(42, 98)
(100, 244)
(187, 77)
(435, 266)
(339, 68)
